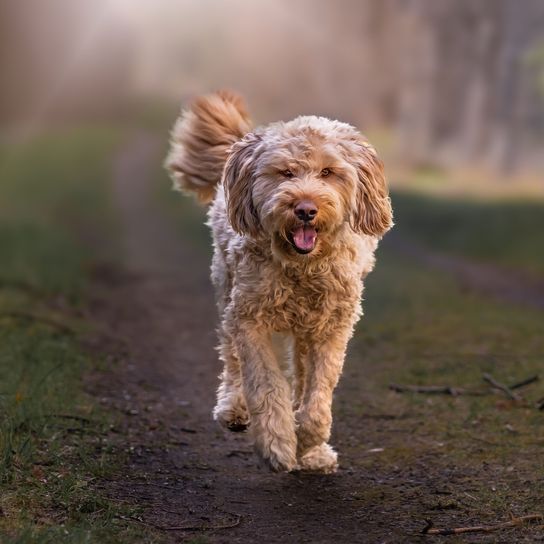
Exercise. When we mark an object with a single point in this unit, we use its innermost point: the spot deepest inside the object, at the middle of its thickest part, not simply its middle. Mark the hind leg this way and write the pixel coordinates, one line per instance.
(231, 410)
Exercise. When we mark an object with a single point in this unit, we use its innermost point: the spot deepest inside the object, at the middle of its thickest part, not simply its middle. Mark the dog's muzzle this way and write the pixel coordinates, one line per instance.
(303, 237)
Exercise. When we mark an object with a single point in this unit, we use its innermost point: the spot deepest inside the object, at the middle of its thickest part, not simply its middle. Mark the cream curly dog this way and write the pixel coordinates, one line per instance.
(297, 210)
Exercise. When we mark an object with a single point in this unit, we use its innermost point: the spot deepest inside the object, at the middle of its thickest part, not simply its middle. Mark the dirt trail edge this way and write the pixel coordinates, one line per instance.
(190, 479)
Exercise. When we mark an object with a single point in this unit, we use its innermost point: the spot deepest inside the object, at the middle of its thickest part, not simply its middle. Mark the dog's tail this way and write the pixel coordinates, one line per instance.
(201, 139)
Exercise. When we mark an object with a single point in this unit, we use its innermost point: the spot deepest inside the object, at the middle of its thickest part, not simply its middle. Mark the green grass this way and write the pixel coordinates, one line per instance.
(54, 443)
(51, 197)
(421, 328)
(424, 327)
(508, 233)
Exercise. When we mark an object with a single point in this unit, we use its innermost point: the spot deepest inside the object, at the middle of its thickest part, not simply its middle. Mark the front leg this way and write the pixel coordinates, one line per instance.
(300, 367)
(314, 418)
(230, 410)
(268, 397)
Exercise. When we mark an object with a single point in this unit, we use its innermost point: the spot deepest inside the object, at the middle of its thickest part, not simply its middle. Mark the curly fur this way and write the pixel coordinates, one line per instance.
(287, 311)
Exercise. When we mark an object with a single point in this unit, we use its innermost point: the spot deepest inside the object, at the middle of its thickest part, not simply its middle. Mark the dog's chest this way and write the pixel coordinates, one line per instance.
(310, 302)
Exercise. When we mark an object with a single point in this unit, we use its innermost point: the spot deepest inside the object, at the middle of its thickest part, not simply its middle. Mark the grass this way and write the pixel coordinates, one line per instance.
(504, 232)
(53, 439)
(51, 191)
(421, 328)
(425, 329)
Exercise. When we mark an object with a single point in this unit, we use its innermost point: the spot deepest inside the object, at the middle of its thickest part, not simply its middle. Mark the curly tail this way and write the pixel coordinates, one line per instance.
(201, 139)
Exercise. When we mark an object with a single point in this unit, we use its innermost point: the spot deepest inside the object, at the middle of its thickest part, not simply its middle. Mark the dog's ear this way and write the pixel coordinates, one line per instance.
(372, 214)
(238, 179)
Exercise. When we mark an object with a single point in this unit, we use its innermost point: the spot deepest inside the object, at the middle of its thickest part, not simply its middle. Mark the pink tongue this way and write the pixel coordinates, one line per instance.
(304, 237)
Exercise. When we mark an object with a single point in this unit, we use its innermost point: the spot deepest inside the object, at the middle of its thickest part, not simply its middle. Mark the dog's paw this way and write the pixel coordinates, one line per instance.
(232, 416)
(238, 426)
(320, 458)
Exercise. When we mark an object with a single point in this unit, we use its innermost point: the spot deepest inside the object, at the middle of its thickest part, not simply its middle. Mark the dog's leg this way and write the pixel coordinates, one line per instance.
(267, 394)
(230, 410)
(300, 363)
(314, 418)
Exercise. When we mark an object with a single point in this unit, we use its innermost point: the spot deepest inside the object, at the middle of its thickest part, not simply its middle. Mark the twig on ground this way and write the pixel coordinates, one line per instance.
(526, 381)
(455, 391)
(514, 522)
(23, 316)
(501, 387)
(435, 389)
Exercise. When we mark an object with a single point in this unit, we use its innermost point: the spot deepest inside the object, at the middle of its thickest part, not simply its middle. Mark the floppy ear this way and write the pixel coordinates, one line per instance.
(238, 179)
(373, 214)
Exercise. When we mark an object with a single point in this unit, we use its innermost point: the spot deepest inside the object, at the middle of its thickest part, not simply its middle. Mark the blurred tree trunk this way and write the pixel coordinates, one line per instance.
(464, 93)
(517, 33)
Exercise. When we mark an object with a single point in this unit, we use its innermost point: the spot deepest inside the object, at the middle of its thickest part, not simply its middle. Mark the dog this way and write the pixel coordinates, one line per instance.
(296, 211)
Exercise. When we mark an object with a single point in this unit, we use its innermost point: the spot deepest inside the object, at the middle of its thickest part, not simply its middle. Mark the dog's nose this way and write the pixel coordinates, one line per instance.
(306, 210)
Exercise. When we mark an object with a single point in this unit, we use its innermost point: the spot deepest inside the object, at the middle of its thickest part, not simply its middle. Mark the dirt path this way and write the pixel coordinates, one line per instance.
(188, 476)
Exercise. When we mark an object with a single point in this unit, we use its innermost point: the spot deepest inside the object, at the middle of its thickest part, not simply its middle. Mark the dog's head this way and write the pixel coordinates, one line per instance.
(300, 183)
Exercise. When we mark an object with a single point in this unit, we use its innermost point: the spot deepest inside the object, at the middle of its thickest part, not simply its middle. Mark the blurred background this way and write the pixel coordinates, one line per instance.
(448, 84)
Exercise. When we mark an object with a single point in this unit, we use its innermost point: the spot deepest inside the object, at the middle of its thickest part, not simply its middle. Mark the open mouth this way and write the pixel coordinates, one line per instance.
(303, 238)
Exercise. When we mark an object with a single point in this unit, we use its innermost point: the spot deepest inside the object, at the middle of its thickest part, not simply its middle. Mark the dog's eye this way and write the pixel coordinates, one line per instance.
(287, 173)
(325, 172)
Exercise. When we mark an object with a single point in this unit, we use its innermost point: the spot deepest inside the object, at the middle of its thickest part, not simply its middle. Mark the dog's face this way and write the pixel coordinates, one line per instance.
(298, 184)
